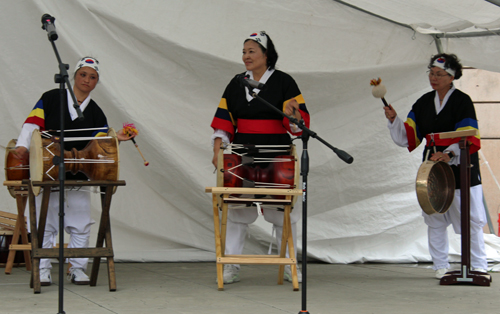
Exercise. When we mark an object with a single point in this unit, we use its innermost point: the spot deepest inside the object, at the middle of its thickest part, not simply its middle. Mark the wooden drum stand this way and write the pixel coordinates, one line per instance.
(20, 192)
(104, 233)
(221, 198)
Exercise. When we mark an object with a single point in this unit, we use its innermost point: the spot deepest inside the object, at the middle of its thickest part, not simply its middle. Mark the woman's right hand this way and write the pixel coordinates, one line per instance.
(21, 153)
(390, 113)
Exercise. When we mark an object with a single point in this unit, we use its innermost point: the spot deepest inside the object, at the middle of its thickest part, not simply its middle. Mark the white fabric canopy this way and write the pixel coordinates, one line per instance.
(164, 66)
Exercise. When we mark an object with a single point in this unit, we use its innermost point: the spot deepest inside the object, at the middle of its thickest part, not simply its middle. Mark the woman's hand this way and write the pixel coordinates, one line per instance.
(390, 113)
(440, 156)
(21, 153)
(124, 137)
(292, 108)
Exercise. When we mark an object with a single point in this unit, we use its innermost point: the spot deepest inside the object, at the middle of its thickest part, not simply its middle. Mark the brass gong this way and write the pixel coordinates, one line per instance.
(435, 187)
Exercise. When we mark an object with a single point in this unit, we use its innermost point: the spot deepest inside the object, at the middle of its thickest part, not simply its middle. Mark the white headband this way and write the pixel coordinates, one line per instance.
(260, 37)
(88, 62)
(440, 63)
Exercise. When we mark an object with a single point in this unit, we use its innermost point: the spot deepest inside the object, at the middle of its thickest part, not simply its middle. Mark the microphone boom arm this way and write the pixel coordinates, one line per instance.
(340, 153)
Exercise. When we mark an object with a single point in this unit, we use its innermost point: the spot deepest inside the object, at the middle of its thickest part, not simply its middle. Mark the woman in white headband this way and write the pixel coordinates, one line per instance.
(46, 116)
(445, 109)
(240, 119)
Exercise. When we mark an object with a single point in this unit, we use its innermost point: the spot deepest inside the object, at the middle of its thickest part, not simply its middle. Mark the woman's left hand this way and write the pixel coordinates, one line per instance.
(440, 156)
(124, 137)
(292, 108)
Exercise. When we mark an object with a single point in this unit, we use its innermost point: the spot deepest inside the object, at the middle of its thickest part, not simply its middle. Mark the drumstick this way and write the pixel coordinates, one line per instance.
(128, 129)
(379, 90)
(136, 146)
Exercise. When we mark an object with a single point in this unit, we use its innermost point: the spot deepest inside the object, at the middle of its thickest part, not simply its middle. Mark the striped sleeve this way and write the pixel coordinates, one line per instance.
(467, 121)
(303, 112)
(37, 115)
(412, 132)
(292, 91)
(223, 119)
(470, 124)
(101, 132)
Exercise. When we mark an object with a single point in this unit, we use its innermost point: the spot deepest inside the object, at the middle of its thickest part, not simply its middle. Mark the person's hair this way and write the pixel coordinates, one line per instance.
(270, 52)
(451, 62)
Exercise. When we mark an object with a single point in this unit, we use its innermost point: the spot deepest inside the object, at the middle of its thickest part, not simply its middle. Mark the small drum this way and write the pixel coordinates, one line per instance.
(239, 170)
(99, 160)
(435, 186)
(15, 169)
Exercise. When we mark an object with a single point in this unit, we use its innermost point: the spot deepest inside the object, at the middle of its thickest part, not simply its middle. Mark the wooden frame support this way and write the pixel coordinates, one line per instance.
(103, 235)
(220, 201)
(20, 193)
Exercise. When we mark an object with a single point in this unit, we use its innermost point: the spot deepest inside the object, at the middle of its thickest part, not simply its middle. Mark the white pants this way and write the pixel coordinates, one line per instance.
(438, 237)
(240, 217)
(77, 222)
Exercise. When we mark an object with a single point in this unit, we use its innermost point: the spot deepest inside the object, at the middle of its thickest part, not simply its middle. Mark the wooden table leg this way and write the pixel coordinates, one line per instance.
(218, 246)
(24, 232)
(19, 230)
(223, 228)
(291, 247)
(35, 272)
(111, 260)
(287, 242)
(104, 234)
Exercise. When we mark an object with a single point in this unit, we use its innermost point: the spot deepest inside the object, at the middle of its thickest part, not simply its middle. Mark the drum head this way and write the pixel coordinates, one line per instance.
(36, 160)
(15, 170)
(112, 133)
(435, 187)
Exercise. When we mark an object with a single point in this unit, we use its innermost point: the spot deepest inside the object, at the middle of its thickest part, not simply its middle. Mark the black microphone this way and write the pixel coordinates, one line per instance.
(245, 79)
(344, 156)
(48, 25)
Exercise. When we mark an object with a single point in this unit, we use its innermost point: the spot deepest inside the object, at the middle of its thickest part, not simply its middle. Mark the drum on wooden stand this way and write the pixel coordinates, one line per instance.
(99, 160)
(15, 169)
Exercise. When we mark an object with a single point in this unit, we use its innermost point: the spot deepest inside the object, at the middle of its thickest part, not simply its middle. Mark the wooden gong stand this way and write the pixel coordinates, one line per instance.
(465, 275)
(104, 233)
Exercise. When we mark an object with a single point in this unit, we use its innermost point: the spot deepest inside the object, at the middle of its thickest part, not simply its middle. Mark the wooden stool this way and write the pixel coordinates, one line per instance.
(104, 233)
(221, 200)
(19, 191)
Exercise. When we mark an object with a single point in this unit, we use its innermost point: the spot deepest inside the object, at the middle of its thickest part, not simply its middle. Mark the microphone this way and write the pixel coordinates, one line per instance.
(344, 156)
(48, 25)
(246, 81)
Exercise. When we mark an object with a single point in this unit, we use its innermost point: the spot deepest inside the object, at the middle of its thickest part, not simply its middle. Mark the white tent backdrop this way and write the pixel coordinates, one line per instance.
(164, 66)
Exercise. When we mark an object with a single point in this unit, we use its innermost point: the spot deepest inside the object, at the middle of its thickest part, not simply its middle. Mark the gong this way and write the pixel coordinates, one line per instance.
(435, 186)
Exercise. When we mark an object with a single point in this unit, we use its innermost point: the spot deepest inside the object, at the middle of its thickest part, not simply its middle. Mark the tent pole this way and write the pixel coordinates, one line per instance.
(439, 45)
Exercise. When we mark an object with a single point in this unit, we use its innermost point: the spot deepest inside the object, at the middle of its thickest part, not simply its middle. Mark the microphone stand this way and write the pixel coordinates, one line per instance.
(304, 171)
(62, 78)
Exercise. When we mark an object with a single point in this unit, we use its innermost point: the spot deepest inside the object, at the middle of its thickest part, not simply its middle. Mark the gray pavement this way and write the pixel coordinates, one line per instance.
(191, 288)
